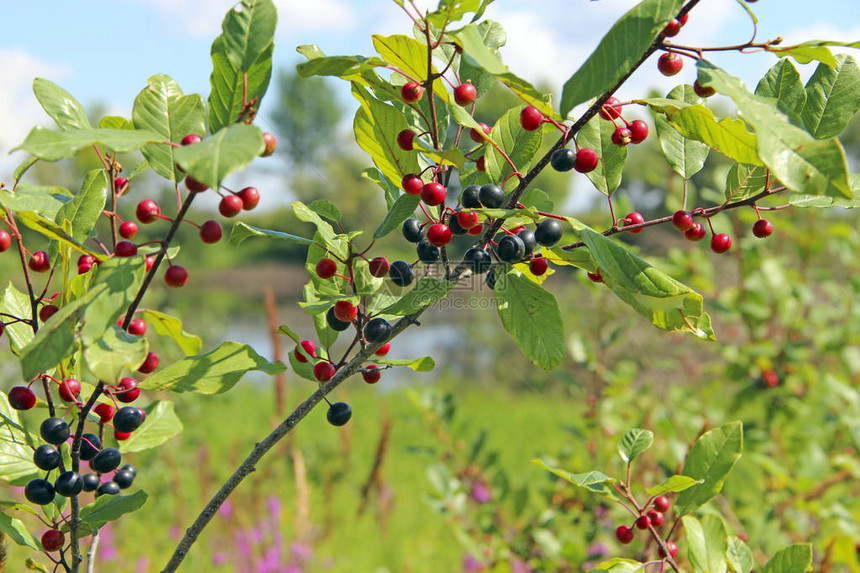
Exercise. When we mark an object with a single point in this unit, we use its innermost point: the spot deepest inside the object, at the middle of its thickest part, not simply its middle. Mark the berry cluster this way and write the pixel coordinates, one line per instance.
(651, 516)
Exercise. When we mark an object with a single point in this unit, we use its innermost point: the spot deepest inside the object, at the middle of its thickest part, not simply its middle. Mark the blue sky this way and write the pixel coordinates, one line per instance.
(104, 51)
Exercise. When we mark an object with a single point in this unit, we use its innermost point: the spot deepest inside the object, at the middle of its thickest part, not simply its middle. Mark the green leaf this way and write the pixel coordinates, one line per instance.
(121, 279)
(113, 352)
(619, 565)
(17, 532)
(425, 292)
(811, 51)
(160, 425)
(319, 64)
(55, 340)
(711, 458)
(403, 208)
(683, 154)
(16, 446)
(43, 200)
(60, 105)
(170, 326)
(54, 232)
(324, 230)
(707, 543)
(454, 10)
(54, 145)
(832, 97)
(667, 303)
(782, 82)
(114, 122)
(530, 314)
(634, 442)
(597, 135)
(23, 167)
(798, 161)
(213, 372)
(409, 55)
(16, 303)
(375, 125)
(248, 29)
(593, 481)
(805, 201)
(517, 143)
(108, 508)
(242, 231)
(84, 211)
(326, 209)
(228, 150)
(619, 50)
(229, 84)
(160, 107)
(739, 556)
(744, 181)
(795, 558)
(674, 484)
(423, 364)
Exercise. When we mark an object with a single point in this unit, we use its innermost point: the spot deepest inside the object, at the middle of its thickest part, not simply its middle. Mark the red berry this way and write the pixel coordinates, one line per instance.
(656, 518)
(125, 249)
(439, 234)
(120, 182)
(128, 230)
(405, 140)
(480, 164)
(21, 398)
(379, 267)
(308, 347)
(86, 260)
(39, 262)
(670, 64)
(531, 118)
(383, 350)
(762, 228)
(271, 144)
(411, 92)
(595, 277)
(5, 240)
(211, 232)
(326, 268)
(69, 389)
(371, 373)
(672, 28)
(230, 205)
(83, 269)
(47, 312)
(720, 243)
(150, 364)
(586, 160)
(137, 327)
(661, 503)
(538, 266)
(696, 232)
(147, 211)
(250, 197)
(467, 220)
(433, 193)
(121, 436)
(323, 371)
(625, 534)
(643, 522)
(412, 184)
(104, 411)
(635, 218)
(682, 220)
(128, 390)
(191, 139)
(476, 230)
(610, 109)
(621, 136)
(771, 378)
(464, 94)
(194, 185)
(476, 135)
(345, 311)
(150, 261)
(683, 19)
(175, 276)
(53, 540)
(703, 91)
(673, 550)
(638, 131)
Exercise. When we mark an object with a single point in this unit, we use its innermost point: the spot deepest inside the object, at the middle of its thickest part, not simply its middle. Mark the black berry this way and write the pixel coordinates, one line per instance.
(129, 468)
(339, 414)
(478, 259)
(47, 457)
(91, 482)
(108, 488)
(39, 491)
(123, 478)
(470, 198)
(527, 236)
(456, 228)
(54, 431)
(491, 278)
(69, 484)
(106, 460)
(401, 273)
(491, 196)
(90, 446)
(563, 159)
(377, 330)
(511, 249)
(427, 253)
(412, 230)
(548, 232)
(127, 419)
(334, 322)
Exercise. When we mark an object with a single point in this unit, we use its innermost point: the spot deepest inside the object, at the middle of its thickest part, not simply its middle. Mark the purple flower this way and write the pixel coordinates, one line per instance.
(520, 566)
(274, 509)
(480, 493)
(301, 552)
(470, 564)
(597, 550)
(226, 510)
(107, 550)
(293, 568)
(142, 565)
(219, 558)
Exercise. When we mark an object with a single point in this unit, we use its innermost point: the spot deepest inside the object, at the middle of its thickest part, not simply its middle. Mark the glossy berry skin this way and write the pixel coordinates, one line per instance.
(610, 109)
(195, 186)
(121, 436)
(383, 350)
(309, 347)
(682, 220)
(696, 233)
(191, 139)
(586, 160)
(412, 184)
(334, 323)
(411, 92)
(427, 253)
(491, 196)
(638, 131)
(108, 488)
(123, 478)
(326, 268)
(656, 518)
(433, 193)
(5, 240)
(595, 277)
(683, 19)
(371, 374)
(762, 228)
(548, 232)
(405, 140)
(471, 197)
(634, 218)
(105, 412)
(271, 143)
(703, 91)
(211, 232)
(476, 230)
(250, 197)
(481, 164)
(621, 136)
(465, 94)
(323, 371)
(39, 262)
(39, 491)
(128, 230)
(127, 419)
(149, 364)
(69, 390)
(439, 234)
(412, 230)
(643, 522)
(672, 28)
(125, 249)
(538, 267)
(91, 482)
(625, 534)
(47, 312)
(401, 273)
(475, 135)
(176, 276)
(378, 267)
(106, 460)
(673, 549)
(150, 262)
(69, 483)
(345, 311)
(129, 468)
(377, 330)
(511, 249)
(720, 243)
(467, 220)
(53, 540)
(478, 259)
(563, 159)
(230, 205)
(147, 211)
(661, 503)
(670, 64)
(137, 327)
(338, 414)
(54, 430)
(531, 118)
(21, 398)
(47, 457)
(128, 390)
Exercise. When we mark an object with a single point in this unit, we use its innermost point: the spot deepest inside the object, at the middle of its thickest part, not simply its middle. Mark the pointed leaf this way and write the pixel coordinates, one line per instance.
(782, 82)
(403, 208)
(594, 481)
(54, 145)
(792, 559)
(51, 230)
(17, 532)
(683, 154)
(833, 97)
(425, 292)
(16, 303)
(707, 543)
(423, 364)
(597, 135)
(519, 145)
(634, 442)
(319, 64)
(739, 556)
(711, 458)
(674, 484)
(409, 55)
(43, 200)
(230, 85)
(109, 508)
(160, 425)
(228, 150)
(114, 352)
(121, 279)
(744, 181)
(60, 105)
(248, 29)
(85, 209)
(242, 231)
